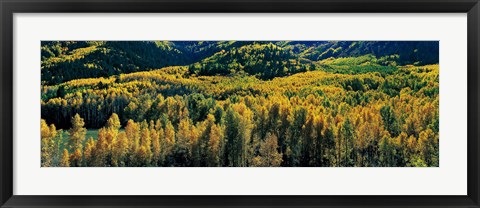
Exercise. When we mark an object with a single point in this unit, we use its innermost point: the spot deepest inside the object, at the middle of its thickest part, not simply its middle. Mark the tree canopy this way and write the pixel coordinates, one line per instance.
(246, 104)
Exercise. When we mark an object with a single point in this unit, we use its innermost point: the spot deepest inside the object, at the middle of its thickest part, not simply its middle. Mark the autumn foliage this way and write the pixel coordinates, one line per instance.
(335, 112)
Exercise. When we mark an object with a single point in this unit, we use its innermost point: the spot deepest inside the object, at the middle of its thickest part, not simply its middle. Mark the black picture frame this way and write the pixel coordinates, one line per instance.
(9, 7)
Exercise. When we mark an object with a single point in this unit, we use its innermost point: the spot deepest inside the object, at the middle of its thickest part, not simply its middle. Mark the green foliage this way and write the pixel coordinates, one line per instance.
(389, 120)
(67, 60)
(103, 59)
(265, 61)
(349, 111)
(402, 52)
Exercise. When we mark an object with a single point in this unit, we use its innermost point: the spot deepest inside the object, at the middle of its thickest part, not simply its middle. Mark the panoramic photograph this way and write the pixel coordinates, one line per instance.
(239, 104)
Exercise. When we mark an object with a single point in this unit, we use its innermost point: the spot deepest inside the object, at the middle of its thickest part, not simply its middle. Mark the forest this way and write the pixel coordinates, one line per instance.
(240, 104)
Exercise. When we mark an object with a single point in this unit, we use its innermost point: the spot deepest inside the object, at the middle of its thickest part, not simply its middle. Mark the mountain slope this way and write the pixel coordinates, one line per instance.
(409, 52)
(265, 61)
(68, 60)
(64, 61)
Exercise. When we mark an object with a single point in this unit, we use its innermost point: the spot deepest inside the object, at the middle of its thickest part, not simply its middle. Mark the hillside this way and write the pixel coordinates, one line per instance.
(240, 104)
(402, 52)
(67, 60)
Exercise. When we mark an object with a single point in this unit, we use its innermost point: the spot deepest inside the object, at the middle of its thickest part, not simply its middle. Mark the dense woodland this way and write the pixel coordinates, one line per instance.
(240, 104)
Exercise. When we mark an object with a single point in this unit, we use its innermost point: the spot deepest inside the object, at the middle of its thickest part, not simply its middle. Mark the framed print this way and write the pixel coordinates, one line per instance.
(248, 104)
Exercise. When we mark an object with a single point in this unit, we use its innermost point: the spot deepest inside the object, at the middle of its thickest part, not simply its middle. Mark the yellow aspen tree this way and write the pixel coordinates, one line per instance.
(101, 148)
(65, 161)
(427, 144)
(88, 152)
(182, 149)
(113, 122)
(269, 155)
(215, 146)
(77, 135)
(162, 144)
(132, 131)
(155, 147)
(120, 149)
(48, 134)
(169, 138)
(77, 132)
(146, 144)
(112, 128)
